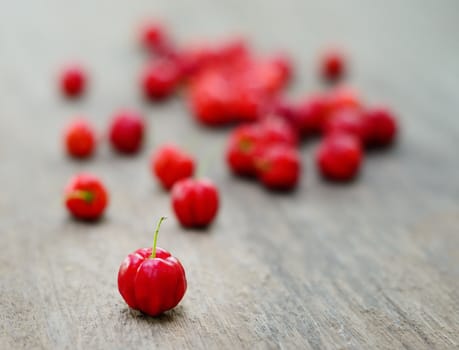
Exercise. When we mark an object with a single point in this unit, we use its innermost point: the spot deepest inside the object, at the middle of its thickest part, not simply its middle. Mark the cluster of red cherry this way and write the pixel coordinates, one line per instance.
(226, 84)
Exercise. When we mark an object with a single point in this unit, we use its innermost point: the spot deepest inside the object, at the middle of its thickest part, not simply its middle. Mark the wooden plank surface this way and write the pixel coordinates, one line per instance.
(370, 265)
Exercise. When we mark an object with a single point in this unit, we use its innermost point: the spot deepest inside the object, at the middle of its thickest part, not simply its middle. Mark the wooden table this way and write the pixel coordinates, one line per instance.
(373, 264)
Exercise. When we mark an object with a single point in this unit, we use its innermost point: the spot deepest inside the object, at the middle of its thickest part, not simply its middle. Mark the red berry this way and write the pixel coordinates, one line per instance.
(343, 98)
(155, 39)
(339, 157)
(241, 149)
(276, 131)
(195, 202)
(348, 121)
(86, 197)
(126, 131)
(79, 138)
(73, 81)
(171, 164)
(279, 167)
(160, 79)
(379, 127)
(151, 280)
(210, 97)
(311, 115)
(333, 65)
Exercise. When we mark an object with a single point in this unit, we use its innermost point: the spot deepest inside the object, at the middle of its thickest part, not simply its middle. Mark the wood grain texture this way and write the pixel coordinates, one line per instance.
(370, 265)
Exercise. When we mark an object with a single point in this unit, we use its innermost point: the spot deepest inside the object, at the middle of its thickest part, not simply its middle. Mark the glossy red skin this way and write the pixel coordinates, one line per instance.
(311, 115)
(241, 149)
(343, 98)
(348, 121)
(160, 79)
(81, 208)
(379, 127)
(73, 81)
(275, 131)
(154, 38)
(195, 202)
(333, 65)
(279, 167)
(79, 139)
(152, 286)
(171, 164)
(127, 132)
(339, 157)
(210, 97)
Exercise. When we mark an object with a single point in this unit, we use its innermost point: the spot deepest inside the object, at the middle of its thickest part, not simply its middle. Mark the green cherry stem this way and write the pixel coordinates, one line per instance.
(87, 196)
(155, 239)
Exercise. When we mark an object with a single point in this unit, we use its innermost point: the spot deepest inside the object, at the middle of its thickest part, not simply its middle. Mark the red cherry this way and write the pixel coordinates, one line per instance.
(73, 81)
(160, 79)
(195, 202)
(348, 121)
(86, 197)
(279, 167)
(171, 164)
(333, 65)
(155, 39)
(379, 127)
(311, 115)
(241, 149)
(79, 139)
(339, 157)
(343, 98)
(151, 280)
(276, 131)
(210, 96)
(126, 131)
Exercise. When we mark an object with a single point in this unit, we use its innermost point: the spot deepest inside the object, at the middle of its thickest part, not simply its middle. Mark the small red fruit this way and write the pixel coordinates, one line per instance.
(171, 164)
(73, 81)
(160, 79)
(151, 280)
(348, 121)
(195, 202)
(311, 115)
(379, 127)
(339, 157)
(276, 131)
(155, 39)
(126, 131)
(86, 197)
(241, 149)
(343, 98)
(333, 65)
(79, 139)
(279, 167)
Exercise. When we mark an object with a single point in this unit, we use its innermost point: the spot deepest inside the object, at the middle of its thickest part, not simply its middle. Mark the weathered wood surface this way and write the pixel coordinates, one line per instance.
(370, 265)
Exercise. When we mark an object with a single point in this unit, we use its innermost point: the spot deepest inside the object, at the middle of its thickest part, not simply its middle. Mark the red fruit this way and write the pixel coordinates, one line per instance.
(73, 81)
(160, 79)
(151, 280)
(241, 149)
(339, 157)
(79, 138)
(279, 167)
(170, 164)
(126, 131)
(276, 131)
(154, 38)
(210, 96)
(86, 197)
(333, 65)
(311, 115)
(195, 202)
(343, 98)
(348, 121)
(379, 127)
